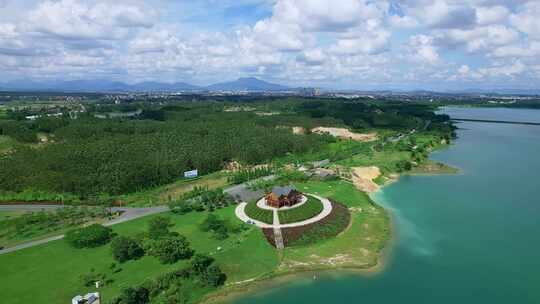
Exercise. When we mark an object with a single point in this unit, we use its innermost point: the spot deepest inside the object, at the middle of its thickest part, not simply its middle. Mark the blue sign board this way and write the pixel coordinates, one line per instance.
(191, 174)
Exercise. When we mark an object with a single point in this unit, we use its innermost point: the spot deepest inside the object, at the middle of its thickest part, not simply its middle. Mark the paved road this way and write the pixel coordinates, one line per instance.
(242, 192)
(127, 215)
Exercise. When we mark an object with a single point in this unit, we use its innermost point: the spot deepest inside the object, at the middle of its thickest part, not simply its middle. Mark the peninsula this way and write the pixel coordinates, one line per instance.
(195, 200)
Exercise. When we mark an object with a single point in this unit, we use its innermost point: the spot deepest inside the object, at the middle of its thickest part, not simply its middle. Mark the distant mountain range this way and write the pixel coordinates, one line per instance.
(242, 84)
(247, 84)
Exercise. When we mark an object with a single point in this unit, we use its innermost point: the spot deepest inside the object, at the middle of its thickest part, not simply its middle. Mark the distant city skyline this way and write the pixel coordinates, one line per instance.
(347, 44)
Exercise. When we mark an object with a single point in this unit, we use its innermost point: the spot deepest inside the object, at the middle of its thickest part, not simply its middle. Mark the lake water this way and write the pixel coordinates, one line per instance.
(467, 238)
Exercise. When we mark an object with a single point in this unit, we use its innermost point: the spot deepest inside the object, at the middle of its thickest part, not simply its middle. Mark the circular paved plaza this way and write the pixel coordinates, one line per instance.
(241, 214)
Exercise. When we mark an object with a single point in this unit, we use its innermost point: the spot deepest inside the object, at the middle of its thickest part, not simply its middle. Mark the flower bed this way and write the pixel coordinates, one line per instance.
(332, 225)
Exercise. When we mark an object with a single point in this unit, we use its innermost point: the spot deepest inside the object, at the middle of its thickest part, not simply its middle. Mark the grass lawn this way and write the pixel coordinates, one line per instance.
(308, 210)
(385, 160)
(256, 213)
(51, 272)
(357, 246)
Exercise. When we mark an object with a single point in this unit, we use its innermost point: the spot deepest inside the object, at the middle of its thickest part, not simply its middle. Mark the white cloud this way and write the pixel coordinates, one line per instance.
(402, 21)
(334, 43)
(481, 38)
(527, 20)
(508, 70)
(491, 14)
(70, 19)
(445, 15)
(422, 50)
(518, 51)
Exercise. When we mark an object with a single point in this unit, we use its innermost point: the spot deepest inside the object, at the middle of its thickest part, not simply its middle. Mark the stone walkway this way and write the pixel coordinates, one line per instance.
(327, 209)
(278, 237)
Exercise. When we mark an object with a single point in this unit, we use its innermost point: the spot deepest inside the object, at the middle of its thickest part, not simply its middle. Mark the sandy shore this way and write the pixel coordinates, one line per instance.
(363, 177)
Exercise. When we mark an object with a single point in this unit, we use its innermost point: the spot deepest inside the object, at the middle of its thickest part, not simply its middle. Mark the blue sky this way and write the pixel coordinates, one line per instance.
(344, 44)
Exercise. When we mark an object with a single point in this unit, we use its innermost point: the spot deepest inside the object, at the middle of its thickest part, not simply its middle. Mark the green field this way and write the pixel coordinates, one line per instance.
(51, 272)
(308, 210)
(358, 246)
(4, 215)
(256, 213)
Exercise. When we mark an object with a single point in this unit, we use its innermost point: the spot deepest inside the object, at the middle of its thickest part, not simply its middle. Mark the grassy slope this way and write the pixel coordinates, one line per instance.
(256, 213)
(308, 210)
(161, 195)
(50, 272)
(36, 232)
(358, 246)
(4, 215)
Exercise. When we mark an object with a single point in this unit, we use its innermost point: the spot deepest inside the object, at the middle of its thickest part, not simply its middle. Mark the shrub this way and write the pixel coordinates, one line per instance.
(87, 237)
(215, 225)
(200, 199)
(125, 249)
(200, 262)
(213, 276)
(132, 295)
(159, 227)
(170, 249)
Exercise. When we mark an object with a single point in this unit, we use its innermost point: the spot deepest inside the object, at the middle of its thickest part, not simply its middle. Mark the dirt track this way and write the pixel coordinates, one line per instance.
(346, 134)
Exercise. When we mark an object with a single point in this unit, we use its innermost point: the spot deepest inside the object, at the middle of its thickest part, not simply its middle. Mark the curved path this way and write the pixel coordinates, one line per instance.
(327, 209)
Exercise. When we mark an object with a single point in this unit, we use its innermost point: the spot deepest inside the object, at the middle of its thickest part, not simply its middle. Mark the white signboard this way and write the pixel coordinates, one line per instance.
(191, 174)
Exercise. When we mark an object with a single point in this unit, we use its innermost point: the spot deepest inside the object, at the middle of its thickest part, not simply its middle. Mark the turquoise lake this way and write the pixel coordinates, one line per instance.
(467, 238)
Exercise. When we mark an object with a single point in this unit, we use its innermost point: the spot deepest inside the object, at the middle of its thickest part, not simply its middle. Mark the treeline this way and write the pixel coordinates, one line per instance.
(365, 115)
(93, 156)
(26, 131)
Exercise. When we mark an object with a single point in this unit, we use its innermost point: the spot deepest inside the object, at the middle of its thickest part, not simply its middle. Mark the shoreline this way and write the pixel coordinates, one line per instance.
(385, 255)
(274, 279)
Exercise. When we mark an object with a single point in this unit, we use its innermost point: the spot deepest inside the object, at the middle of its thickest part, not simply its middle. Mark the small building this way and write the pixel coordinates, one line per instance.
(283, 197)
(89, 298)
(321, 163)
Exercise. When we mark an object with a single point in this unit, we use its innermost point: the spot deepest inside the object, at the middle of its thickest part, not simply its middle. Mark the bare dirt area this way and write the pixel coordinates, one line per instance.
(363, 178)
(346, 134)
(299, 130)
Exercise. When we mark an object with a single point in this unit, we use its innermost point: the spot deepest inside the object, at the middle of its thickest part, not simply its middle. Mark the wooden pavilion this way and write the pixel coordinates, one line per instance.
(283, 197)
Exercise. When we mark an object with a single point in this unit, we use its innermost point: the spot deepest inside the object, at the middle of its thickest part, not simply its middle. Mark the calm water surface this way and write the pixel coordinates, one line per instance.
(467, 238)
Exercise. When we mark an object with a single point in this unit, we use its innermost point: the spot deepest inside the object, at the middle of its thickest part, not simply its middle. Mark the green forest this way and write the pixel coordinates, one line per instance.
(87, 156)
